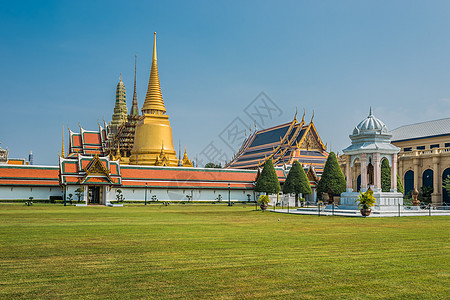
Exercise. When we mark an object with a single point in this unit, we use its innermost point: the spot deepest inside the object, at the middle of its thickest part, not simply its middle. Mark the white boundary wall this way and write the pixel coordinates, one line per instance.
(25, 192)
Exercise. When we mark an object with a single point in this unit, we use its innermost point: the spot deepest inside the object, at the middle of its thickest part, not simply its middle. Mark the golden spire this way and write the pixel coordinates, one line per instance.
(62, 148)
(134, 107)
(118, 156)
(154, 103)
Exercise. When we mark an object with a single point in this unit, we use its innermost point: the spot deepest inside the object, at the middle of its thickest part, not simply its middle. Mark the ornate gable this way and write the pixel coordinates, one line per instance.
(311, 139)
(96, 169)
(311, 174)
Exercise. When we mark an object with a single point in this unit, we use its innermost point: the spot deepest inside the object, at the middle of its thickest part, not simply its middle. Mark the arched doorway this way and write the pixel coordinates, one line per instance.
(445, 194)
(427, 178)
(408, 180)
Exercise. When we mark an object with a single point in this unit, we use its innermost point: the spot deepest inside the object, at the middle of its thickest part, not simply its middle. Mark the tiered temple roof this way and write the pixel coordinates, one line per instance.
(88, 170)
(120, 108)
(122, 141)
(88, 142)
(283, 144)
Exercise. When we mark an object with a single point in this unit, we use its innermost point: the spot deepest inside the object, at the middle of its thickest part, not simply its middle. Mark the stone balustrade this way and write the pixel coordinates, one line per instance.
(424, 152)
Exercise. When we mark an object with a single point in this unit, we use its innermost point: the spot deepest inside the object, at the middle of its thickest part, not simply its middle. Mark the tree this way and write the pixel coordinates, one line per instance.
(446, 184)
(212, 165)
(70, 198)
(386, 178)
(79, 192)
(296, 182)
(119, 196)
(332, 181)
(268, 180)
(400, 187)
(425, 193)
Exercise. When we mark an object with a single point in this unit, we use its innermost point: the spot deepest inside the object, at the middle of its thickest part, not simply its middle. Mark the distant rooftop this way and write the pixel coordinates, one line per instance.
(421, 130)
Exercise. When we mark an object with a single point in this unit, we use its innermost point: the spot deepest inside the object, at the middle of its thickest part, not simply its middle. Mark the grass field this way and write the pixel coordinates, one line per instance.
(215, 251)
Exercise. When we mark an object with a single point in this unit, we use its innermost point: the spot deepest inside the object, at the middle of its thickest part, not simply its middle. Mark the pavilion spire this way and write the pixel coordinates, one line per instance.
(62, 147)
(134, 107)
(154, 103)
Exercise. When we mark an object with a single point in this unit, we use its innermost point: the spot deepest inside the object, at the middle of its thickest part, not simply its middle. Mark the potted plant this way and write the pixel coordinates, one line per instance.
(263, 201)
(365, 202)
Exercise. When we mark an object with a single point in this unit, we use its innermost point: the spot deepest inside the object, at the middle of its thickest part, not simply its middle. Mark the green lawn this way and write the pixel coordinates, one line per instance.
(215, 251)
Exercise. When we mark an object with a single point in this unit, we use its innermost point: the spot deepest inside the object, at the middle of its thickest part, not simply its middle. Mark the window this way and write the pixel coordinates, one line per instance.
(420, 148)
(447, 145)
(407, 149)
(434, 146)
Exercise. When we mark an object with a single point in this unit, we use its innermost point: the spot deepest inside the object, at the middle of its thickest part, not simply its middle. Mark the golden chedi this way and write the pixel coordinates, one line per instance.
(153, 142)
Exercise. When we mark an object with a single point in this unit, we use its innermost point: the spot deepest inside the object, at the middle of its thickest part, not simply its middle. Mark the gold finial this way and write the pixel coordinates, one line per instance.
(118, 156)
(62, 148)
(120, 77)
(154, 46)
(295, 117)
(154, 102)
(312, 117)
(303, 118)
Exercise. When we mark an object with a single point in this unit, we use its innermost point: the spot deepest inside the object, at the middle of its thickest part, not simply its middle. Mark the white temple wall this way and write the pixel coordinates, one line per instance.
(138, 194)
(25, 192)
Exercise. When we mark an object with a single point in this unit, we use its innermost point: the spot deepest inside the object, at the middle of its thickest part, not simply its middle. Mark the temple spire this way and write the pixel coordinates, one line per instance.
(134, 107)
(62, 148)
(154, 103)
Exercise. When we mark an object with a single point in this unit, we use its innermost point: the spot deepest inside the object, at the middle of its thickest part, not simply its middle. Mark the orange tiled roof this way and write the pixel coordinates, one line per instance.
(29, 175)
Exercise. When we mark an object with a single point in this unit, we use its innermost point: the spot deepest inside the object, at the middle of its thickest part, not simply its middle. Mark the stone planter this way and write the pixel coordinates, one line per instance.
(263, 206)
(365, 212)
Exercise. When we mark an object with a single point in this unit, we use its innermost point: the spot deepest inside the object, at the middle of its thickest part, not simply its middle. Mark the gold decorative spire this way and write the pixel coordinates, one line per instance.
(186, 161)
(154, 103)
(62, 148)
(134, 107)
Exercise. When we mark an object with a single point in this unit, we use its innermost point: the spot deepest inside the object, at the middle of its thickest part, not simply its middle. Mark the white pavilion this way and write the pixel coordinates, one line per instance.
(371, 143)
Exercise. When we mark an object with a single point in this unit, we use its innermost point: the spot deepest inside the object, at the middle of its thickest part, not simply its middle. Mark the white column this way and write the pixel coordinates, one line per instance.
(85, 194)
(348, 168)
(394, 173)
(363, 158)
(376, 172)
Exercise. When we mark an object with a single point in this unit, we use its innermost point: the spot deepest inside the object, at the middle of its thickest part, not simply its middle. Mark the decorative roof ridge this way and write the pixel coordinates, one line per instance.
(273, 127)
(291, 141)
(286, 136)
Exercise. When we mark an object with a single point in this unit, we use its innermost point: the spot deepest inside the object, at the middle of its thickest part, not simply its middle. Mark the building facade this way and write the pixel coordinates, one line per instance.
(424, 158)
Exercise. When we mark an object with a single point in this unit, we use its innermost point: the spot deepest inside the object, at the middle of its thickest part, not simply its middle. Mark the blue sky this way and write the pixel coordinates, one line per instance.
(61, 62)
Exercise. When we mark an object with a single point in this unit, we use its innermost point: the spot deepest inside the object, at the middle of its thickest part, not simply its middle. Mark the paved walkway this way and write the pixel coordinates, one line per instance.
(356, 213)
